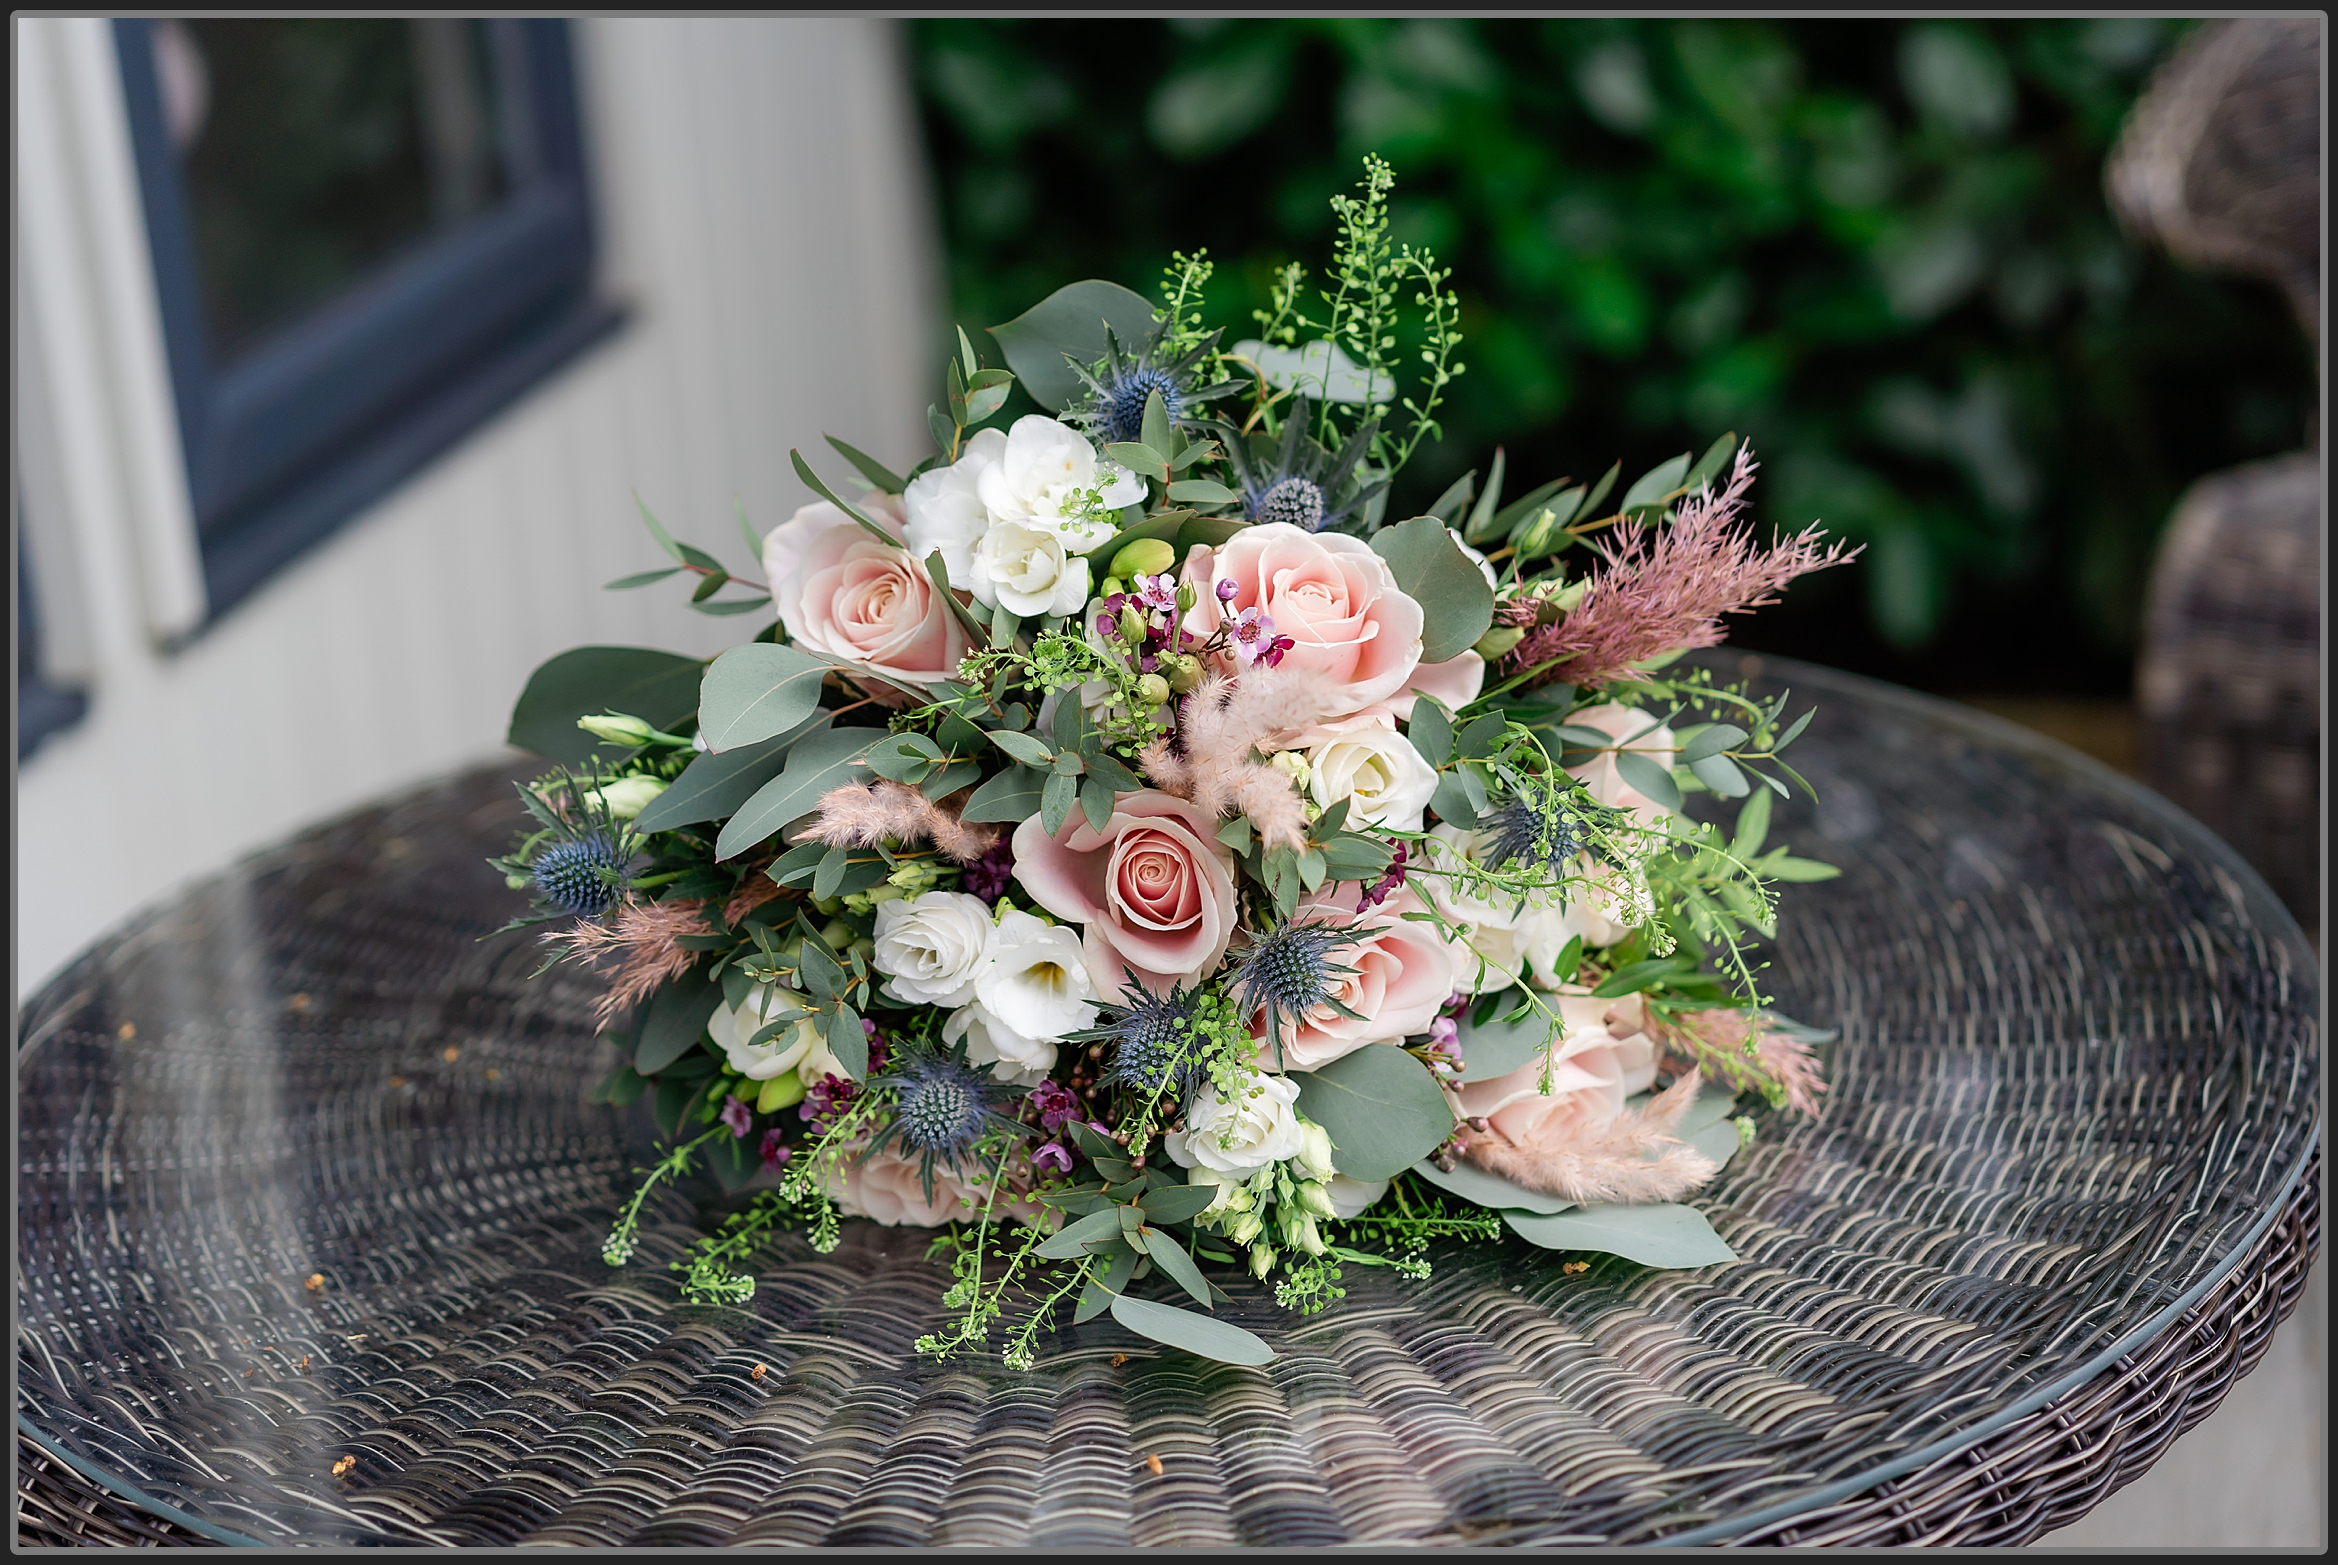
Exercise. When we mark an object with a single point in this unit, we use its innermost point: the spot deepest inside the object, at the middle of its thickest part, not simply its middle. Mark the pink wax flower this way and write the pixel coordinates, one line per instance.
(1052, 1155)
(775, 1150)
(737, 1116)
(1055, 1104)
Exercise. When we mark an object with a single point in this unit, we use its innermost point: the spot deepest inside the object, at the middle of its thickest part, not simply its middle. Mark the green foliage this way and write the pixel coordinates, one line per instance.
(1879, 249)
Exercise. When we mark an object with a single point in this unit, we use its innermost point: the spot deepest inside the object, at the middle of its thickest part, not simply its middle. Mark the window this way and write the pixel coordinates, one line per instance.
(368, 235)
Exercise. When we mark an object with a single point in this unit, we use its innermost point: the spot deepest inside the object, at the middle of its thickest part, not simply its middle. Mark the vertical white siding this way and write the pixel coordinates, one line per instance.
(763, 216)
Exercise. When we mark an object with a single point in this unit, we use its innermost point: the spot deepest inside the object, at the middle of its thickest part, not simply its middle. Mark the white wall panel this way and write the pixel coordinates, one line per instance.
(763, 216)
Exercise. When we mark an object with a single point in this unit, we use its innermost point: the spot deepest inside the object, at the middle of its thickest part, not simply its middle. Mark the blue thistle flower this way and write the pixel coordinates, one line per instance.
(1157, 1040)
(1119, 383)
(1120, 409)
(582, 875)
(1295, 500)
(1289, 478)
(942, 1106)
(1545, 826)
(1289, 971)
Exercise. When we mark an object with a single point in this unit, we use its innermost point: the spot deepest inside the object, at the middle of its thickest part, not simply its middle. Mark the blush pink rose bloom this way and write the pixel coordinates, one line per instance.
(889, 1189)
(842, 593)
(1336, 600)
(1154, 888)
(1604, 1057)
(1402, 980)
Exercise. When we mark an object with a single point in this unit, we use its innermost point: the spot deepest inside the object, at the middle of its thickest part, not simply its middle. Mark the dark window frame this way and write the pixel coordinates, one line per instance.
(326, 414)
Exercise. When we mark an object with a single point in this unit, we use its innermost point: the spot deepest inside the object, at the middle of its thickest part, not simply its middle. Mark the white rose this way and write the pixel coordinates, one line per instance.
(1374, 768)
(1011, 1057)
(790, 1048)
(1041, 477)
(944, 506)
(932, 948)
(1029, 568)
(1240, 1138)
(1644, 736)
(1349, 1197)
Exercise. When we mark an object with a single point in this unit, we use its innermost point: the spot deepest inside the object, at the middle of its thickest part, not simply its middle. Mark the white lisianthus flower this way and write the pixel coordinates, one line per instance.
(1033, 989)
(944, 507)
(1315, 1152)
(790, 1048)
(1373, 767)
(1349, 1197)
(1049, 476)
(1242, 1137)
(1029, 568)
(932, 948)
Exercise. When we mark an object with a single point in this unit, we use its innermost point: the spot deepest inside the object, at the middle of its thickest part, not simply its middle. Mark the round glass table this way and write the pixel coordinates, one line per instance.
(310, 1201)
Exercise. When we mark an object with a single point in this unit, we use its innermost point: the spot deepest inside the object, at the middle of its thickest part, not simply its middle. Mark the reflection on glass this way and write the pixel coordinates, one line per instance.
(313, 148)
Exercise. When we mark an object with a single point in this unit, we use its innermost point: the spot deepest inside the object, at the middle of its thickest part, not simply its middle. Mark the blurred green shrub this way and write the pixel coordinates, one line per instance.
(1879, 248)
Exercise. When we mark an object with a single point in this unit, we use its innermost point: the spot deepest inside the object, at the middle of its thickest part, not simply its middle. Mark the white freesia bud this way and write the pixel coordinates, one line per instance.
(617, 728)
(1246, 1228)
(1315, 1153)
(626, 797)
(1308, 1238)
(1316, 1198)
(1262, 1261)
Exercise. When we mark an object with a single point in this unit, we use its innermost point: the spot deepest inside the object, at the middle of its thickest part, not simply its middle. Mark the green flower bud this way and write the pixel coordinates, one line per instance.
(1309, 1239)
(1144, 557)
(1262, 1261)
(1245, 1228)
(627, 796)
(1497, 641)
(915, 875)
(1535, 537)
(1152, 690)
(1132, 625)
(1292, 765)
(782, 1091)
(1184, 671)
(1114, 585)
(1315, 1152)
(1187, 598)
(617, 728)
(1317, 1199)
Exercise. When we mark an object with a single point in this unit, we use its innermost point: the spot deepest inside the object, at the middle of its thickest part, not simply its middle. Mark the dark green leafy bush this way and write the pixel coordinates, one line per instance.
(1878, 248)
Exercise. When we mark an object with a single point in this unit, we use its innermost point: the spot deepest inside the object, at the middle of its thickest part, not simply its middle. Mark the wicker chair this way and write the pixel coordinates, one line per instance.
(2220, 164)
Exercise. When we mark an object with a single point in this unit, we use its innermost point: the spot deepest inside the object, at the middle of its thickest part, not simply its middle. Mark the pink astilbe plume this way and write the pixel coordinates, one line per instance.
(1609, 1163)
(1221, 722)
(1667, 587)
(856, 817)
(638, 948)
(1715, 1039)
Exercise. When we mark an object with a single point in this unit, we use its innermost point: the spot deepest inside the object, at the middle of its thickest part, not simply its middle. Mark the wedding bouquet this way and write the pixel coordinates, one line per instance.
(1131, 853)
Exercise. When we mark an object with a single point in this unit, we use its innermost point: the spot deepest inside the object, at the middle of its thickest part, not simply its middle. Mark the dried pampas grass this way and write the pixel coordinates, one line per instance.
(1602, 1165)
(1219, 726)
(638, 947)
(861, 817)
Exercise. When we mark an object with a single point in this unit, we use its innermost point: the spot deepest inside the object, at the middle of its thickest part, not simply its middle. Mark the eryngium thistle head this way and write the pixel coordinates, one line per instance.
(1290, 971)
(939, 1107)
(1294, 500)
(1120, 409)
(1539, 830)
(582, 875)
(1157, 1040)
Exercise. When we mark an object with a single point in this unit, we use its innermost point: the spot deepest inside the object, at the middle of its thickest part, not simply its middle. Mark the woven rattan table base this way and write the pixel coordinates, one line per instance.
(310, 1205)
(2045, 1472)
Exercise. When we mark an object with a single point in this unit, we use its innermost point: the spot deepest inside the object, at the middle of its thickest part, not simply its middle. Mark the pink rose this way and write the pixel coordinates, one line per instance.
(1336, 600)
(842, 593)
(889, 1189)
(1603, 1058)
(1155, 888)
(1402, 980)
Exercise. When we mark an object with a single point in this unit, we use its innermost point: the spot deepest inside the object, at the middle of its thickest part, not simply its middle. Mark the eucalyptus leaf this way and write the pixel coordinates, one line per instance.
(1457, 604)
(660, 688)
(1474, 1184)
(1651, 487)
(1669, 1238)
(1431, 731)
(753, 692)
(1753, 826)
(1200, 491)
(1711, 739)
(1800, 870)
(879, 477)
(1716, 456)
(1451, 801)
(1013, 795)
(677, 1015)
(827, 758)
(1204, 1336)
(1718, 1141)
(1649, 778)
(1177, 1203)
(1720, 773)
(1481, 515)
(714, 786)
(1382, 1109)
(1499, 1047)
(1072, 320)
(1177, 1266)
